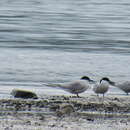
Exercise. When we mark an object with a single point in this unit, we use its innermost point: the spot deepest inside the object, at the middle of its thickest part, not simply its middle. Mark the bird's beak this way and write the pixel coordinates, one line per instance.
(92, 81)
(112, 83)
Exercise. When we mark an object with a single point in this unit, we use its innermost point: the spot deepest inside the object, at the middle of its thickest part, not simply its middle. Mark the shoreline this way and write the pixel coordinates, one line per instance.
(65, 113)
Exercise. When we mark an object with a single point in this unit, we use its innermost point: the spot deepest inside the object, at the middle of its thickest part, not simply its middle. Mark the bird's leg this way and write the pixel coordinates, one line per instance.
(77, 95)
(103, 97)
(98, 97)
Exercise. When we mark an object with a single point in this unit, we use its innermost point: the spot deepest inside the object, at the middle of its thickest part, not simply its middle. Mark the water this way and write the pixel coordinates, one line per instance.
(54, 41)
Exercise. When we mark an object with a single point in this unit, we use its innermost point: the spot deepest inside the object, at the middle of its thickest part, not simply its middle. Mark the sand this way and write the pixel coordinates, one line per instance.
(65, 113)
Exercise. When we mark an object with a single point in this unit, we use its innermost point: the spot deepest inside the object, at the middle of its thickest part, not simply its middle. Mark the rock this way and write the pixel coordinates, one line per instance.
(123, 121)
(90, 119)
(17, 93)
(54, 107)
(66, 109)
(117, 99)
(41, 117)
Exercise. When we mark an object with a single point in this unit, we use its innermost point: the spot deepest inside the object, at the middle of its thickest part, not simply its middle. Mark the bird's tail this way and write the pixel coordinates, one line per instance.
(53, 85)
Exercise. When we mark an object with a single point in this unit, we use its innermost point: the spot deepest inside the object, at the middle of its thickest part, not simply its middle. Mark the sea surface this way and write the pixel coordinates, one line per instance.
(57, 41)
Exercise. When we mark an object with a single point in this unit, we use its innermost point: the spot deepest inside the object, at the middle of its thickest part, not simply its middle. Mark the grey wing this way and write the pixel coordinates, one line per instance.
(78, 87)
(124, 86)
(95, 87)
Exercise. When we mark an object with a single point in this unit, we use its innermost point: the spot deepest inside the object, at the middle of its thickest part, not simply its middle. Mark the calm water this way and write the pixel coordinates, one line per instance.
(52, 41)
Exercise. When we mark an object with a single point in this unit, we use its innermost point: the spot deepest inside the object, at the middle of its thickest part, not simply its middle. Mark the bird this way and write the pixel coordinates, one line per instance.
(75, 87)
(103, 86)
(124, 86)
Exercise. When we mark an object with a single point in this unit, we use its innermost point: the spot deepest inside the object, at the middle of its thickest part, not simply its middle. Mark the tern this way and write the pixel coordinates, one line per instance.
(103, 86)
(75, 87)
(124, 86)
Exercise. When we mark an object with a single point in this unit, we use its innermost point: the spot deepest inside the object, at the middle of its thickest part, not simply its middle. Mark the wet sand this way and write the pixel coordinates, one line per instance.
(66, 113)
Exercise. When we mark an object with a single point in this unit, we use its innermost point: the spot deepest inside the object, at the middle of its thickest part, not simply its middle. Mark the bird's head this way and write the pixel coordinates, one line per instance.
(108, 80)
(88, 79)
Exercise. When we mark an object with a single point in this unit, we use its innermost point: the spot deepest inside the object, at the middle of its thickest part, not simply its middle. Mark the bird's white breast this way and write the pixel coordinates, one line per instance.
(101, 87)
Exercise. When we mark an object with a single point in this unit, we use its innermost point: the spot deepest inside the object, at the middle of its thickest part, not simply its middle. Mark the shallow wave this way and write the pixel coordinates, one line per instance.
(92, 26)
(50, 41)
(118, 47)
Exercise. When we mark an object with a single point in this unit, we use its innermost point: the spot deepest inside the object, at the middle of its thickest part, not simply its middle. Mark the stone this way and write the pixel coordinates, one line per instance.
(65, 109)
(18, 93)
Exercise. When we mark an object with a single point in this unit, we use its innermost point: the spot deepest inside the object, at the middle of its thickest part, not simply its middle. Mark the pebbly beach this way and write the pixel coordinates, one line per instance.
(56, 112)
